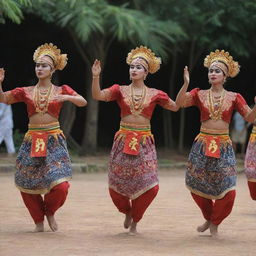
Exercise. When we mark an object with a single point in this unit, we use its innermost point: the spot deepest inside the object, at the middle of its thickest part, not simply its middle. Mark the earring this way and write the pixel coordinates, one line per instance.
(145, 76)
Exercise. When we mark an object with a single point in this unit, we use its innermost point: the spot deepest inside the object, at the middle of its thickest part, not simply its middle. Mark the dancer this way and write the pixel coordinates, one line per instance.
(43, 163)
(250, 163)
(133, 179)
(211, 174)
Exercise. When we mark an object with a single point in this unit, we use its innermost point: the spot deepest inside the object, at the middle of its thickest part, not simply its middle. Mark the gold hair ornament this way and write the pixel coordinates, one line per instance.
(146, 54)
(60, 60)
(233, 67)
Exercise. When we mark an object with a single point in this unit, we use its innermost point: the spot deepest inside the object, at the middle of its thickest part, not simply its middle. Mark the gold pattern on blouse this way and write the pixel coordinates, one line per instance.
(228, 101)
(126, 93)
(230, 97)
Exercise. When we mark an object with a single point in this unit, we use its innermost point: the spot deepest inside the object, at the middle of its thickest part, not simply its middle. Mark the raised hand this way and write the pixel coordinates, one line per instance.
(186, 75)
(96, 68)
(2, 71)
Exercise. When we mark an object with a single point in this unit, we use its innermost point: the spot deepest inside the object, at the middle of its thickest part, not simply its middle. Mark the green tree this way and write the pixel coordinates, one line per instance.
(93, 26)
(213, 24)
(208, 24)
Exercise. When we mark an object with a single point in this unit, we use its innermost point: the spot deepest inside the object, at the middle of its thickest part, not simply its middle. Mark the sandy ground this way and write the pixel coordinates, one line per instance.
(89, 224)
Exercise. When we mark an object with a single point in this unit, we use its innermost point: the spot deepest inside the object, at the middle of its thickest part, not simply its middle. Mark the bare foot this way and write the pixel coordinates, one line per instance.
(52, 223)
(204, 227)
(133, 230)
(127, 221)
(39, 227)
(214, 230)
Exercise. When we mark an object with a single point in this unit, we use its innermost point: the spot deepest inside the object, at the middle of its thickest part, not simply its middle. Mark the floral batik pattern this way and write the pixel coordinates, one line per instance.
(37, 175)
(211, 177)
(250, 158)
(133, 175)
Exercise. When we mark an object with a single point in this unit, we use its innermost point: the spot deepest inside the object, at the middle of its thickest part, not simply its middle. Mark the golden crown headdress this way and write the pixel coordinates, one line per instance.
(60, 60)
(233, 67)
(146, 54)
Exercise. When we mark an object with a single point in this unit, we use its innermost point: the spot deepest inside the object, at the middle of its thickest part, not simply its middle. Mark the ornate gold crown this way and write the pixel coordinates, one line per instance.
(145, 53)
(60, 60)
(222, 56)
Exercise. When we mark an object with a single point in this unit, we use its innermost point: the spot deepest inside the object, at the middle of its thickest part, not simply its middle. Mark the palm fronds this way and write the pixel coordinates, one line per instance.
(11, 9)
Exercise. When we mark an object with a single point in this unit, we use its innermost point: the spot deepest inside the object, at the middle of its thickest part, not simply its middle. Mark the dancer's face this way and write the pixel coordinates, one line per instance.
(216, 75)
(137, 71)
(44, 68)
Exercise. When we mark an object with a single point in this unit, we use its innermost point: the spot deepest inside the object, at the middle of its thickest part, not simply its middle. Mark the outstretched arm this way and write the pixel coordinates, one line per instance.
(77, 99)
(171, 105)
(182, 96)
(97, 93)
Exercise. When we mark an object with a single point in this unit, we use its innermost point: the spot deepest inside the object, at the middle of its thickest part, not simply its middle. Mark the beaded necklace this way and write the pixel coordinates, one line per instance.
(137, 102)
(216, 108)
(42, 99)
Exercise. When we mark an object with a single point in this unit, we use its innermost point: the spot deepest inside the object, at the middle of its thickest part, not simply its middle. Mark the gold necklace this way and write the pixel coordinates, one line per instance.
(137, 103)
(42, 99)
(216, 108)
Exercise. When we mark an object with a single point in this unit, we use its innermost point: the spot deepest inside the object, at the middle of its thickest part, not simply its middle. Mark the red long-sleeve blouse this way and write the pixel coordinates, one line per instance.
(232, 101)
(26, 95)
(122, 94)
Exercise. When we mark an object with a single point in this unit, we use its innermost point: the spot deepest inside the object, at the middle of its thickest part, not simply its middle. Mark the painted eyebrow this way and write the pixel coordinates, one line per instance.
(214, 69)
(136, 65)
(38, 64)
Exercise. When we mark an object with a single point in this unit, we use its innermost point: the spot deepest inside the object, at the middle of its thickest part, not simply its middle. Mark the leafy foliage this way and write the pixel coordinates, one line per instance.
(208, 24)
(105, 21)
(11, 9)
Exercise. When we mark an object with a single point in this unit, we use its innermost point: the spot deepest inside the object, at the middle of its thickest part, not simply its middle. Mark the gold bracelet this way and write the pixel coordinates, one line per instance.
(95, 76)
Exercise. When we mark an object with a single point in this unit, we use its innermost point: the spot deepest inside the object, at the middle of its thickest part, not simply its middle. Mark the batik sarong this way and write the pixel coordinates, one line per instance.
(211, 177)
(250, 157)
(131, 174)
(38, 175)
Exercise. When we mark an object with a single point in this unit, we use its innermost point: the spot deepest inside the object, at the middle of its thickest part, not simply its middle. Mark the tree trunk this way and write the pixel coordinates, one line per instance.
(98, 47)
(182, 130)
(183, 113)
(67, 118)
(167, 121)
(168, 128)
(89, 144)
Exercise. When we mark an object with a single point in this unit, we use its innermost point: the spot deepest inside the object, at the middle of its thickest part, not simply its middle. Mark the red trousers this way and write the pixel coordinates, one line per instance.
(216, 211)
(136, 207)
(252, 188)
(39, 207)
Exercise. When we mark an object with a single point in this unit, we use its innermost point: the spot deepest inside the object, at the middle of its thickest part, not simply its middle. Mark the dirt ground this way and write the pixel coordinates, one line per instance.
(90, 225)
